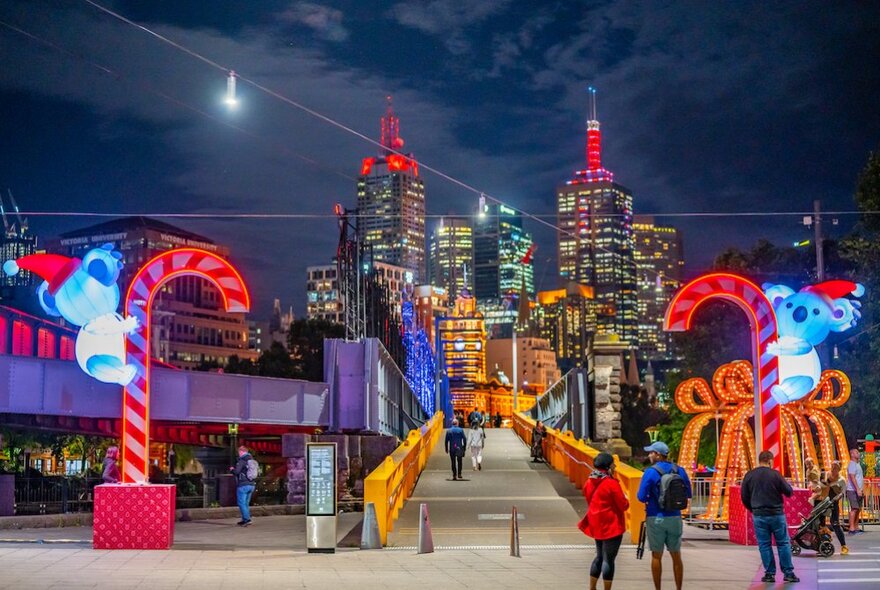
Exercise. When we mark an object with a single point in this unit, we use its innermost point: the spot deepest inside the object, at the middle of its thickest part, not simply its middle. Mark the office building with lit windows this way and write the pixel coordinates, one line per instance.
(322, 293)
(190, 328)
(391, 204)
(502, 254)
(595, 241)
(323, 301)
(566, 319)
(452, 255)
(659, 262)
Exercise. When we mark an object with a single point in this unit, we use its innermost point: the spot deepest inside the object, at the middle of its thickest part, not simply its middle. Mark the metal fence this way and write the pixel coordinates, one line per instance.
(702, 491)
(61, 495)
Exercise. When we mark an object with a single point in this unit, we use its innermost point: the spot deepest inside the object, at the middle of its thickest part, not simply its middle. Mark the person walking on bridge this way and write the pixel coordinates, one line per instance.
(604, 520)
(475, 438)
(455, 444)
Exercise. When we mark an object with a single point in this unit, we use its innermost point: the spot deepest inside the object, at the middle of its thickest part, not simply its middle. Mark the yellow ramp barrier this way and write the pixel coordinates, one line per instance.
(390, 484)
(574, 458)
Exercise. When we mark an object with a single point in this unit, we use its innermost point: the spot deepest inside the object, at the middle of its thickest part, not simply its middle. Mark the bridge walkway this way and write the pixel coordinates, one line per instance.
(476, 510)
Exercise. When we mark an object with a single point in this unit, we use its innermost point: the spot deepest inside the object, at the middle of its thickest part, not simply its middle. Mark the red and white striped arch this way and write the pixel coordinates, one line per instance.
(138, 303)
(762, 321)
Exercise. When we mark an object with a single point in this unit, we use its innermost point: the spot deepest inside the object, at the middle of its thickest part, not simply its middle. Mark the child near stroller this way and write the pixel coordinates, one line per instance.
(813, 534)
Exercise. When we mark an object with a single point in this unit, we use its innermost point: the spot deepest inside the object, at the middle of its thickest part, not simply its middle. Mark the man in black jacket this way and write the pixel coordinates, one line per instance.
(762, 491)
(455, 443)
(246, 483)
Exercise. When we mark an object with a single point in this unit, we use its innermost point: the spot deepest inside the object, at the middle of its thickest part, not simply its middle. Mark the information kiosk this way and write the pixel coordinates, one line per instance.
(321, 497)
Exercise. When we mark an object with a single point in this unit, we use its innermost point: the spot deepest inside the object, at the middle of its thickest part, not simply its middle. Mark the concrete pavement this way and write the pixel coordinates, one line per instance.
(471, 532)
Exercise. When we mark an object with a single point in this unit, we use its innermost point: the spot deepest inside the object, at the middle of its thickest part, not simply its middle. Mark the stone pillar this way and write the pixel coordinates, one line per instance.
(215, 463)
(355, 466)
(293, 448)
(342, 483)
(374, 449)
(608, 365)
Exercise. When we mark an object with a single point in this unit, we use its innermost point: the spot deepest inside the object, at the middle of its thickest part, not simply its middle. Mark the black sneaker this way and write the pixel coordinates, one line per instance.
(244, 522)
(771, 578)
(791, 578)
(240, 522)
(480, 466)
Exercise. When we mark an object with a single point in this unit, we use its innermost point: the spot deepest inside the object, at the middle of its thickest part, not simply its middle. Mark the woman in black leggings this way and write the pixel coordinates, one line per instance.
(604, 521)
(836, 484)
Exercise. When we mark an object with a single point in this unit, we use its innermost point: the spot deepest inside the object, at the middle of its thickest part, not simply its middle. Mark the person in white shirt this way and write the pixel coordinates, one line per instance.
(475, 439)
(855, 485)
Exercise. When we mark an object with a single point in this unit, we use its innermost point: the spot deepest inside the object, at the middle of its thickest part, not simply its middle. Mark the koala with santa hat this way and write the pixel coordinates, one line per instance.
(84, 292)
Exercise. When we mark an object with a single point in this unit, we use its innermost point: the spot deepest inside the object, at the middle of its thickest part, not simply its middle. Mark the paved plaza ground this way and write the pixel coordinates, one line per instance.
(470, 533)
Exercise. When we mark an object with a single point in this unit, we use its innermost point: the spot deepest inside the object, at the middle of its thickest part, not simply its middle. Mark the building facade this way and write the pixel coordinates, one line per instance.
(660, 261)
(190, 329)
(452, 255)
(391, 204)
(595, 241)
(535, 361)
(323, 300)
(566, 320)
(502, 254)
(322, 293)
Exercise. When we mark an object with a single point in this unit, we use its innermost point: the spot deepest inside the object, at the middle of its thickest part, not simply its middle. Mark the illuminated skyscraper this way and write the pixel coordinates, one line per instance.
(659, 259)
(595, 239)
(566, 319)
(452, 256)
(502, 257)
(391, 203)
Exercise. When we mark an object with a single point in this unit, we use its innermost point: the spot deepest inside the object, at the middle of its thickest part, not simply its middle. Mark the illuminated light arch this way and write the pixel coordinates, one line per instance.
(138, 303)
(762, 322)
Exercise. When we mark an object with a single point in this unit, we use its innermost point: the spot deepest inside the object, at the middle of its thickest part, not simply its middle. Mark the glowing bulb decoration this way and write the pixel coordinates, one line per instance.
(793, 394)
(230, 100)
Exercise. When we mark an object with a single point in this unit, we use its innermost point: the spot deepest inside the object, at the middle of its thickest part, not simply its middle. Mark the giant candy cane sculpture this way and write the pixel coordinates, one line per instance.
(138, 302)
(762, 320)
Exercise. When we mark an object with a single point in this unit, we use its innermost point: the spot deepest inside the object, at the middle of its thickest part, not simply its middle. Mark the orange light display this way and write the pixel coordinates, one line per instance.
(730, 399)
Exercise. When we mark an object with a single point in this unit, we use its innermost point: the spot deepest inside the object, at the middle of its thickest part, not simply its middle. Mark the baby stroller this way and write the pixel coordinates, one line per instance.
(813, 534)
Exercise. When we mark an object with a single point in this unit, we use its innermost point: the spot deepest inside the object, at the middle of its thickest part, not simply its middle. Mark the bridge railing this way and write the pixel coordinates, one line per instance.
(567, 404)
(369, 392)
(392, 482)
(574, 458)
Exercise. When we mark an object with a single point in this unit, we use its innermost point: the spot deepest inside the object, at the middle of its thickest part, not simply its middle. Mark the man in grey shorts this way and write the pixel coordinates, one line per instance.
(663, 527)
(855, 490)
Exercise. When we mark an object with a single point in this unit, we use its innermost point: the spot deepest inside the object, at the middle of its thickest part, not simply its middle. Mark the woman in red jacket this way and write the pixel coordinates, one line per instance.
(606, 506)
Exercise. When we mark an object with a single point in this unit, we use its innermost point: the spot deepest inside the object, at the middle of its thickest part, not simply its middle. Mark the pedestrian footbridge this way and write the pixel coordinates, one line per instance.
(476, 511)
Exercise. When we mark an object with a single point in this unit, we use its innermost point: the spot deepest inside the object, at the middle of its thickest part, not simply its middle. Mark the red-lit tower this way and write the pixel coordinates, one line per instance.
(391, 202)
(595, 240)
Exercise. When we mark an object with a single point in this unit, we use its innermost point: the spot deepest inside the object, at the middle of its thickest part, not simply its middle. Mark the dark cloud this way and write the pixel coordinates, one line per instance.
(447, 19)
(703, 108)
(326, 22)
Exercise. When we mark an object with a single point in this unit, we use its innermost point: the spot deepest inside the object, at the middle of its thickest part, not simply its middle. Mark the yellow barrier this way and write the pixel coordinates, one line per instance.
(392, 482)
(574, 458)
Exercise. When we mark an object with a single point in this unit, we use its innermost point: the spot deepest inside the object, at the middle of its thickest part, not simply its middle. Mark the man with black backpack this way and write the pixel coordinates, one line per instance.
(665, 490)
(245, 471)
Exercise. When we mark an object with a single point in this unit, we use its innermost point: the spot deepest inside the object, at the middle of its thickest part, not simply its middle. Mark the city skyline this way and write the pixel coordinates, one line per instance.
(707, 112)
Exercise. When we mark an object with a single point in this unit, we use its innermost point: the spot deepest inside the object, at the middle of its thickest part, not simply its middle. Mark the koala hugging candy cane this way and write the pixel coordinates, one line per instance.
(146, 283)
(762, 321)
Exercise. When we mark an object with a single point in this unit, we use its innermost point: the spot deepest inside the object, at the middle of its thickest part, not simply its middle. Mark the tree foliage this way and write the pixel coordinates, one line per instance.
(306, 344)
(859, 349)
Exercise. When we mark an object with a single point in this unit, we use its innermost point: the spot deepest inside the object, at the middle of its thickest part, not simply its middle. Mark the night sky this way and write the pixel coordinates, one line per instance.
(705, 107)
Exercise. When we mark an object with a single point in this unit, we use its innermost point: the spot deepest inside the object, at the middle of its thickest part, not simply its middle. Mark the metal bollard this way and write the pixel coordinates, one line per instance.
(514, 534)
(426, 542)
(370, 538)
